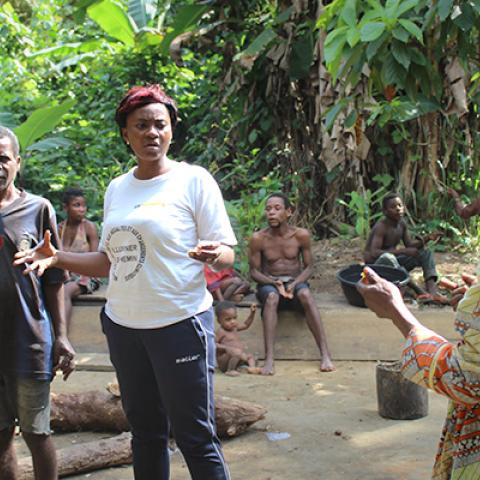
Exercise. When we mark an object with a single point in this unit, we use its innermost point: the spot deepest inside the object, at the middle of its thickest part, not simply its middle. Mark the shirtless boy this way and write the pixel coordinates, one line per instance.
(280, 259)
(382, 245)
(231, 352)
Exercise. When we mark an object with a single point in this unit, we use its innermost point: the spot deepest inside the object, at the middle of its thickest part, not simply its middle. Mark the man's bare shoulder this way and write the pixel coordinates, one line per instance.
(259, 235)
(301, 233)
(263, 232)
(257, 239)
(380, 226)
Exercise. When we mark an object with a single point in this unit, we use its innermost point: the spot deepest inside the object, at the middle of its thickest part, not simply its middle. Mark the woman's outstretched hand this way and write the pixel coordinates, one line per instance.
(43, 256)
(380, 295)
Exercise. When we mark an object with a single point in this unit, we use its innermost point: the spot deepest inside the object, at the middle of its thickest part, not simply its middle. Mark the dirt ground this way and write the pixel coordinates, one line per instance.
(331, 420)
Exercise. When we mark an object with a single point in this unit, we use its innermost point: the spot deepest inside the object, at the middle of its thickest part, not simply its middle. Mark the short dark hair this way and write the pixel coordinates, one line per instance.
(389, 196)
(70, 193)
(140, 96)
(224, 305)
(283, 196)
(7, 133)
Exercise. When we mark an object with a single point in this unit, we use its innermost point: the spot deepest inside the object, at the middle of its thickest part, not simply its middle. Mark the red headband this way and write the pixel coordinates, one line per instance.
(138, 96)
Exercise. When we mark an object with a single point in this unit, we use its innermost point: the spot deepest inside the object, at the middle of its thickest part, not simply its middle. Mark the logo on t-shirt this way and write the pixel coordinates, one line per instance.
(25, 243)
(126, 250)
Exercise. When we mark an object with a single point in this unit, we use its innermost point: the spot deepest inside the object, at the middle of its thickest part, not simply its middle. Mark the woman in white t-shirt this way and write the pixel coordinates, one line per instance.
(162, 220)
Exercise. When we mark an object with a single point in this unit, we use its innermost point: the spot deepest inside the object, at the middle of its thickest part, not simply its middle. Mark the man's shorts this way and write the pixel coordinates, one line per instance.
(294, 303)
(26, 401)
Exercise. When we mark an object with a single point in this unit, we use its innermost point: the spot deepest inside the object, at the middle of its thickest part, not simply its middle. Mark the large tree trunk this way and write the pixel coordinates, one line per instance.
(102, 411)
(86, 457)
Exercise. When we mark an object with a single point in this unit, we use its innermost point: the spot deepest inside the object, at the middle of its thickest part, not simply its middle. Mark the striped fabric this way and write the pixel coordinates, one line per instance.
(453, 371)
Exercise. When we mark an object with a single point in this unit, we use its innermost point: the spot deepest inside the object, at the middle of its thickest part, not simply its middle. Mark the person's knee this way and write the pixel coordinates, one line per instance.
(72, 290)
(304, 295)
(306, 300)
(243, 286)
(272, 300)
(245, 357)
(387, 259)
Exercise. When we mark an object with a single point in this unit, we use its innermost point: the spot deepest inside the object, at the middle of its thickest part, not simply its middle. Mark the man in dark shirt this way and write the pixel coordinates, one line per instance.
(33, 341)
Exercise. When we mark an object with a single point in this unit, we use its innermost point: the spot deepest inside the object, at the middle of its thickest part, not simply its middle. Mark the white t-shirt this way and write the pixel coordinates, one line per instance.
(149, 226)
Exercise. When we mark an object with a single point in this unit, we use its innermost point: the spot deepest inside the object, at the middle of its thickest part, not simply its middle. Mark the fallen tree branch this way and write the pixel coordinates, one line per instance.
(86, 457)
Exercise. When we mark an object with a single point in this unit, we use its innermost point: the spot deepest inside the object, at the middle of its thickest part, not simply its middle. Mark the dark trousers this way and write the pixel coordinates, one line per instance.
(424, 260)
(165, 377)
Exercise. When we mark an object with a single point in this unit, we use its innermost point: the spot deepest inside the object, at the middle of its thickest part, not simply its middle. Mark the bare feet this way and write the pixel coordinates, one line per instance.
(232, 373)
(432, 299)
(254, 370)
(326, 365)
(268, 368)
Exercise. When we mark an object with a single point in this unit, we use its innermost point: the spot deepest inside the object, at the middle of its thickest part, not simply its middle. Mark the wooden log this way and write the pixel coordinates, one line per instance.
(234, 416)
(399, 398)
(94, 411)
(86, 457)
(102, 411)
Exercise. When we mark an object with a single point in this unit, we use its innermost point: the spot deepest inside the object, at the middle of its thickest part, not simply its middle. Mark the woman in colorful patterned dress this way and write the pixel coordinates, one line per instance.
(450, 369)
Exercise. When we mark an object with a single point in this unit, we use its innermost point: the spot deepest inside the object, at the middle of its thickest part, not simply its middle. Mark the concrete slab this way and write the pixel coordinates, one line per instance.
(353, 333)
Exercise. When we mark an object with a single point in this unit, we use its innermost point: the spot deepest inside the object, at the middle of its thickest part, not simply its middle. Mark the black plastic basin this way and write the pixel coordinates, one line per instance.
(349, 277)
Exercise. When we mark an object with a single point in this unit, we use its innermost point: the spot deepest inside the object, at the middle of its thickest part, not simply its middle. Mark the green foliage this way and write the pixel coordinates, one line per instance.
(259, 44)
(112, 18)
(400, 110)
(184, 21)
(366, 208)
(382, 32)
(389, 37)
(40, 122)
(142, 11)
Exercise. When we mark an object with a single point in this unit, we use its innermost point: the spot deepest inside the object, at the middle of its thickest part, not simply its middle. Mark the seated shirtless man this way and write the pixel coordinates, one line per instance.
(280, 259)
(383, 246)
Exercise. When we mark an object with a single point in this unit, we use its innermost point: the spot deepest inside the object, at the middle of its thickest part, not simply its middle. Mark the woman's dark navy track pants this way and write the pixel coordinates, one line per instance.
(165, 377)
